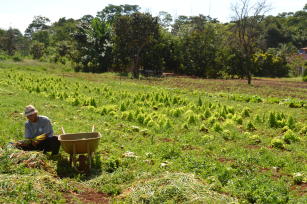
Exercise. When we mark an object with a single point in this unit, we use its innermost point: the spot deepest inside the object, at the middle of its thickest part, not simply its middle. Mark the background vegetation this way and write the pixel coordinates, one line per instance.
(123, 39)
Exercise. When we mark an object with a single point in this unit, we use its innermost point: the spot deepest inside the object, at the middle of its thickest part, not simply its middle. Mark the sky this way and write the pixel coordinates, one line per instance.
(19, 13)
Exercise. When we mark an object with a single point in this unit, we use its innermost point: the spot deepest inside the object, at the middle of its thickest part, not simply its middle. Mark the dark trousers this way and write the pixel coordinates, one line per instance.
(50, 144)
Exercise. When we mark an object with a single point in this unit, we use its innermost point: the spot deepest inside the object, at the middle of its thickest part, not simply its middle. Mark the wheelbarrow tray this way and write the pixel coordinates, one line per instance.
(80, 143)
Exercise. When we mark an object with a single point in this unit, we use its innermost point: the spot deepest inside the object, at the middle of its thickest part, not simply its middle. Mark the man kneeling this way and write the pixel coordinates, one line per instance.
(38, 133)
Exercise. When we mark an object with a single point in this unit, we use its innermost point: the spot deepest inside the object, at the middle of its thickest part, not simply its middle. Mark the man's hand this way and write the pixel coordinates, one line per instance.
(21, 143)
(35, 143)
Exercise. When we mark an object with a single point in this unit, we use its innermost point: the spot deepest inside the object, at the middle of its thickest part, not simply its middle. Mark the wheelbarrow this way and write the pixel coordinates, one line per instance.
(80, 144)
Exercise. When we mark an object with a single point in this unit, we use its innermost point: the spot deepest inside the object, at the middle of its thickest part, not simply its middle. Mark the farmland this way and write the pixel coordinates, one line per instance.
(174, 139)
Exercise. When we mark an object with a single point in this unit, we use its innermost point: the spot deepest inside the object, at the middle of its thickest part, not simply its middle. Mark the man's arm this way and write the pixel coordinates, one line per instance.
(48, 129)
(28, 132)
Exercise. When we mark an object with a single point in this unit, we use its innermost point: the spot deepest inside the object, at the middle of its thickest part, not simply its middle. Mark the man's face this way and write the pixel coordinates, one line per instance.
(32, 118)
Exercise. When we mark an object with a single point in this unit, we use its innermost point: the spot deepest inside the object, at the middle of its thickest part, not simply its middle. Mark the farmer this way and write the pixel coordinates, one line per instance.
(38, 133)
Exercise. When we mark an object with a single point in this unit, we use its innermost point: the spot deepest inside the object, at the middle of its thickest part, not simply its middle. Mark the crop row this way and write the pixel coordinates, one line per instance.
(162, 110)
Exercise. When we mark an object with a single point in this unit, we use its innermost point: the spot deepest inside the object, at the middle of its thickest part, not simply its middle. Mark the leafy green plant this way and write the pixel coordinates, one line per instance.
(226, 134)
(290, 137)
(250, 126)
(272, 120)
(277, 143)
(246, 112)
(217, 127)
(255, 139)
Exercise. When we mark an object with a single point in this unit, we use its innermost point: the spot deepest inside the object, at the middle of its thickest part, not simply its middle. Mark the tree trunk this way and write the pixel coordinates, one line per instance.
(135, 72)
(249, 78)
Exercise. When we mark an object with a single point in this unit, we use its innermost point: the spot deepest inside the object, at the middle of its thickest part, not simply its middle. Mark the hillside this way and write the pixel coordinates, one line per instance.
(174, 139)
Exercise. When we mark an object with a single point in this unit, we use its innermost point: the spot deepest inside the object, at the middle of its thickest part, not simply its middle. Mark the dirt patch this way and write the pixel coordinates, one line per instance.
(300, 189)
(189, 147)
(252, 147)
(262, 169)
(225, 160)
(166, 140)
(87, 196)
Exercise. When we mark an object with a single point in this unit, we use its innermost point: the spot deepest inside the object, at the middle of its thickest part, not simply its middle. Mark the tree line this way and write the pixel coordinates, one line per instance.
(123, 39)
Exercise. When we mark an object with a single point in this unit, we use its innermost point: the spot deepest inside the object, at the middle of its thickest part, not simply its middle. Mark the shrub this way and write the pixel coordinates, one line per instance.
(140, 118)
(250, 126)
(277, 143)
(258, 119)
(255, 139)
(303, 131)
(199, 102)
(298, 178)
(17, 58)
(130, 116)
(238, 119)
(203, 128)
(211, 120)
(272, 121)
(285, 129)
(290, 137)
(304, 78)
(192, 119)
(291, 122)
(207, 138)
(3, 56)
(217, 127)
(246, 112)
(226, 134)
(207, 114)
(185, 126)
(167, 124)
(151, 123)
(177, 112)
(112, 164)
(247, 134)
(122, 107)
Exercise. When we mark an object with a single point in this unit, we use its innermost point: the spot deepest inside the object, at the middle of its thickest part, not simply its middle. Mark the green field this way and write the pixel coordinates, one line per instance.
(174, 140)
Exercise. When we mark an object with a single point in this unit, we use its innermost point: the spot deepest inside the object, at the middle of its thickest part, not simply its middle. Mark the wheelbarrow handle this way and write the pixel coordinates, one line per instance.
(63, 131)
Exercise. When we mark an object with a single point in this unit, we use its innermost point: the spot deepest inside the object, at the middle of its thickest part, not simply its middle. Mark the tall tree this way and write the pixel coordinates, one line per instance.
(165, 19)
(39, 23)
(111, 12)
(93, 46)
(132, 34)
(11, 40)
(247, 19)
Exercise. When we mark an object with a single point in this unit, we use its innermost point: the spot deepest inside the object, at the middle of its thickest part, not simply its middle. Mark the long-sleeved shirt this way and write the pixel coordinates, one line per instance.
(41, 126)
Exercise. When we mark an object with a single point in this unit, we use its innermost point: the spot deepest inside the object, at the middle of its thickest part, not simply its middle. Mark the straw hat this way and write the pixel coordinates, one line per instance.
(30, 110)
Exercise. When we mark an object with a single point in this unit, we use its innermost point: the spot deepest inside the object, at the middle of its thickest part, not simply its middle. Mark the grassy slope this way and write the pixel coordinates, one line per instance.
(170, 152)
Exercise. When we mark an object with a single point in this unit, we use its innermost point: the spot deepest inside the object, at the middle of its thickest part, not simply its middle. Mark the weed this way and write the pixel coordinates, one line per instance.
(277, 143)
(290, 137)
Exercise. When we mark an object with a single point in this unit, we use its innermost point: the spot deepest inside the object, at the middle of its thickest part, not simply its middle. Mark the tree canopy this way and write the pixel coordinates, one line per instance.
(121, 38)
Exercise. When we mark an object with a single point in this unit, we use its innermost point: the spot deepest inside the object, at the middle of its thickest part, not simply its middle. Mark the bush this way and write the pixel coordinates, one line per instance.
(3, 56)
(250, 126)
(290, 137)
(17, 58)
(304, 78)
(255, 139)
(303, 131)
(298, 178)
(278, 143)
(246, 112)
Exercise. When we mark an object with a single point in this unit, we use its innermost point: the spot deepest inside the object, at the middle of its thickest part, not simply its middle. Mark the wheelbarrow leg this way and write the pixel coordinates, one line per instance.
(74, 157)
(89, 155)
(70, 159)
